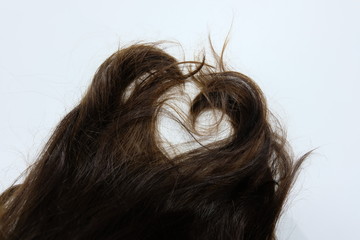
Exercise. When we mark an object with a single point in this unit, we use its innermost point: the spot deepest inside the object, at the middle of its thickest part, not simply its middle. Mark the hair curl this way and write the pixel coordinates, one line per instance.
(106, 174)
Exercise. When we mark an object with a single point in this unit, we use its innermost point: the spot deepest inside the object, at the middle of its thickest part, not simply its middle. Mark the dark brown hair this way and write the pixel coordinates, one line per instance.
(105, 173)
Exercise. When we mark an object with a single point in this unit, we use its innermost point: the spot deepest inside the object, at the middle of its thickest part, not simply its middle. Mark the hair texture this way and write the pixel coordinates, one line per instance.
(105, 172)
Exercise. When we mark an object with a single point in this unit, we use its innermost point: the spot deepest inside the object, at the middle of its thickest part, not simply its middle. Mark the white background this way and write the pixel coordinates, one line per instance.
(305, 55)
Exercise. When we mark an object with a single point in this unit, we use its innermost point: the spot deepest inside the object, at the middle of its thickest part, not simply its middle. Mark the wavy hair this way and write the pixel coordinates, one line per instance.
(107, 173)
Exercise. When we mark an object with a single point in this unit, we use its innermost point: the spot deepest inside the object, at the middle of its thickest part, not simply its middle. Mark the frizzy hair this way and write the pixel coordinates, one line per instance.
(105, 174)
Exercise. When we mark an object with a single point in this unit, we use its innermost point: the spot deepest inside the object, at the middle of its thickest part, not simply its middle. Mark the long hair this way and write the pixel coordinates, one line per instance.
(105, 172)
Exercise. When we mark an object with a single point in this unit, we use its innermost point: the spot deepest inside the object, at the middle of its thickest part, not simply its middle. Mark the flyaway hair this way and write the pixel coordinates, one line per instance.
(108, 173)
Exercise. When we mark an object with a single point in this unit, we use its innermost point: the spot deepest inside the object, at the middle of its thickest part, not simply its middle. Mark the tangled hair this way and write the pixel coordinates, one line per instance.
(106, 173)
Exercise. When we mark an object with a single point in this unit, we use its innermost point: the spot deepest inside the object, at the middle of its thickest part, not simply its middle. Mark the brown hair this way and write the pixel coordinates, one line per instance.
(105, 173)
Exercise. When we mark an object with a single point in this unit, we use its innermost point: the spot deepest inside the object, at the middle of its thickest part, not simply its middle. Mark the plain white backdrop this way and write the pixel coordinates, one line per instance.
(305, 55)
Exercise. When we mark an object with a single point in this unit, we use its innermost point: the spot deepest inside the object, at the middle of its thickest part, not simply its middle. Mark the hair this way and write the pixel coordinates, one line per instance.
(105, 172)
